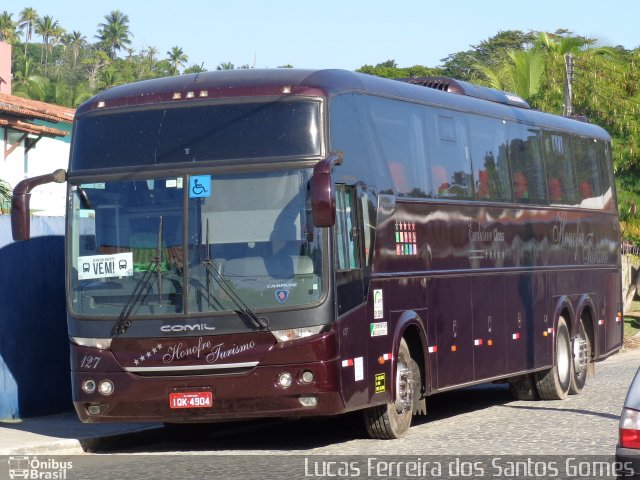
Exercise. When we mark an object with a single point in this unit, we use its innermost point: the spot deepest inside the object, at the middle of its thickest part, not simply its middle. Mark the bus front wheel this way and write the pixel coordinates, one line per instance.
(394, 419)
(554, 384)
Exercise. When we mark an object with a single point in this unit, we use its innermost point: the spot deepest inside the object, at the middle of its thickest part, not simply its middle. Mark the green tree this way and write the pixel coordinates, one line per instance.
(50, 31)
(75, 41)
(195, 69)
(225, 66)
(177, 59)
(114, 33)
(27, 22)
(5, 194)
(489, 53)
(7, 27)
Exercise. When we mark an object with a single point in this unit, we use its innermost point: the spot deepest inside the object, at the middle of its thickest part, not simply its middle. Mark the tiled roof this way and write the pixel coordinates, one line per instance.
(35, 109)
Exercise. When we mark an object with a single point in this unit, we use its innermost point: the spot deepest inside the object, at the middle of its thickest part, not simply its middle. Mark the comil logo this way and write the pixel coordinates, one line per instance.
(34, 468)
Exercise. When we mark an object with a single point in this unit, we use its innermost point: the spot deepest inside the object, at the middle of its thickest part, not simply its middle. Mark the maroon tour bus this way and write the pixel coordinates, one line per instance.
(288, 243)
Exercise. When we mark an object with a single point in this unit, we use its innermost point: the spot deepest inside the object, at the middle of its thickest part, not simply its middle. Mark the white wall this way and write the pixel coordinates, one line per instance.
(48, 155)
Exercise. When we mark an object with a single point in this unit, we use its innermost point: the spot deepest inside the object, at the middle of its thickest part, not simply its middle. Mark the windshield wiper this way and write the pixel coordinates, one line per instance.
(243, 310)
(139, 294)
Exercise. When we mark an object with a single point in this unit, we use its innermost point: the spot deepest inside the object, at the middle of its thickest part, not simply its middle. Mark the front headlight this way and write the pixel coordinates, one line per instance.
(295, 333)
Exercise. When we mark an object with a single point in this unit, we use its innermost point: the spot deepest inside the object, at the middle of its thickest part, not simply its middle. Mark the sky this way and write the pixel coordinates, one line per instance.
(343, 34)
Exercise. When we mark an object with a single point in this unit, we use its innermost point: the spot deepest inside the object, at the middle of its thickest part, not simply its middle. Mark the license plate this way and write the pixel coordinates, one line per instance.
(190, 399)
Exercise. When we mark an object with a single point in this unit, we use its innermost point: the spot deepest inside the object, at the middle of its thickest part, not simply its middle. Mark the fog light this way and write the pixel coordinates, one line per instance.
(105, 387)
(308, 401)
(89, 386)
(285, 380)
(93, 409)
(307, 376)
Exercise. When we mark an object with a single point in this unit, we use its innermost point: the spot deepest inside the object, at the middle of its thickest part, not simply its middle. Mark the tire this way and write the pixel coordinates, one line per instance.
(524, 389)
(581, 353)
(554, 384)
(394, 419)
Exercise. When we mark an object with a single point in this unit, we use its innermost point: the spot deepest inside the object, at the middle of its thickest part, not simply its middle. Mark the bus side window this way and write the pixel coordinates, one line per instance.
(559, 169)
(489, 158)
(589, 157)
(450, 158)
(347, 237)
(527, 173)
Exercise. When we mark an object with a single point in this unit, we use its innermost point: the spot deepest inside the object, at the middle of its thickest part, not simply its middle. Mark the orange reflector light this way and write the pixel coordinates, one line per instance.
(381, 360)
(454, 348)
(545, 333)
(619, 317)
(489, 342)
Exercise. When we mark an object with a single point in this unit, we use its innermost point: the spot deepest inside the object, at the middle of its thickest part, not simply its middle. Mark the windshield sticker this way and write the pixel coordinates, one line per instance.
(105, 266)
(381, 383)
(86, 213)
(378, 329)
(282, 295)
(200, 186)
(96, 186)
(378, 311)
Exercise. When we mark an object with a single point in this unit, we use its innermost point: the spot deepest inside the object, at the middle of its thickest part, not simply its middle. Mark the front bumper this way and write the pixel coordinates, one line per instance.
(252, 394)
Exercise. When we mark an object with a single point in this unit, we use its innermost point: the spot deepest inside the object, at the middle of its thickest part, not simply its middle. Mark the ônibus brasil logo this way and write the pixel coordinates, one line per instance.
(35, 468)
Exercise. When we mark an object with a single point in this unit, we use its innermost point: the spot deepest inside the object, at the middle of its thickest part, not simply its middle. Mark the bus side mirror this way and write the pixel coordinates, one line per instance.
(323, 195)
(20, 221)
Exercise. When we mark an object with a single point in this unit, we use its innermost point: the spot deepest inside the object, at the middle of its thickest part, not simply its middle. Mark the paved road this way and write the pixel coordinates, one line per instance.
(480, 421)
(476, 421)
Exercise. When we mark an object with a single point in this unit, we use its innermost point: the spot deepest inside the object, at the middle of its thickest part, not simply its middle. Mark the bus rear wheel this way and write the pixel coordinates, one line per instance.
(554, 384)
(581, 352)
(394, 419)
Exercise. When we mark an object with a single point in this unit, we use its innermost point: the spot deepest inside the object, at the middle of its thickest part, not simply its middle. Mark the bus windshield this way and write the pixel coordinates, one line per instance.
(196, 133)
(185, 245)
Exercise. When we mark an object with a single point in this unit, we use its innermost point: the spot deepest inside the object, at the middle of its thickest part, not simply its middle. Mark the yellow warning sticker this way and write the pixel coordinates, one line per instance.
(381, 384)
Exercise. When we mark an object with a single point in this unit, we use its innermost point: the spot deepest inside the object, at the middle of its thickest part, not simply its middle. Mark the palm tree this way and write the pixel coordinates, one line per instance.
(76, 41)
(114, 33)
(50, 30)
(177, 58)
(521, 72)
(27, 22)
(7, 27)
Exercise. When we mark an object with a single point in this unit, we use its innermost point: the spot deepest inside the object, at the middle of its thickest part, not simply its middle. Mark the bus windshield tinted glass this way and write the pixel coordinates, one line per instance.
(249, 235)
(252, 235)
(196, 133)
(126, 247)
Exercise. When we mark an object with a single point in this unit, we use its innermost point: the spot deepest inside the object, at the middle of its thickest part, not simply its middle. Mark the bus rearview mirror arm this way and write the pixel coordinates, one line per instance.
(20, 221)
(323, 197)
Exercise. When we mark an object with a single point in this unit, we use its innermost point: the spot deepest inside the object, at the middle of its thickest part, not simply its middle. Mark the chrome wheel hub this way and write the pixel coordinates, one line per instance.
(404, 388)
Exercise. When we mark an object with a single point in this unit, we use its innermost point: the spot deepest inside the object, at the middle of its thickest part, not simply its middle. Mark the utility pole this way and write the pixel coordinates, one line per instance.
(568, 85)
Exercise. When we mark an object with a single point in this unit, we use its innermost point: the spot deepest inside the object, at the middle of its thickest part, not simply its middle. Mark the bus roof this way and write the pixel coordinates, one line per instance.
(321, 83)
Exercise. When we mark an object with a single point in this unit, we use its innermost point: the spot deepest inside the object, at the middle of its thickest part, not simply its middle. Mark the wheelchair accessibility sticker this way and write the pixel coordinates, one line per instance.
(200, 186)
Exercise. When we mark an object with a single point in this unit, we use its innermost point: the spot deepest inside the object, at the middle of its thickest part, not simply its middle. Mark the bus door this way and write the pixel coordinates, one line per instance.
(350, 296)
(450, 304)
(527, 321)
(489, 357)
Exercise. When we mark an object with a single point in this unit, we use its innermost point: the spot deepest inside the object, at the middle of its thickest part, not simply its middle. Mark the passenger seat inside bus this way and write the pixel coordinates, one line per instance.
(520, 187)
